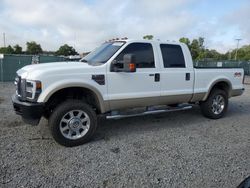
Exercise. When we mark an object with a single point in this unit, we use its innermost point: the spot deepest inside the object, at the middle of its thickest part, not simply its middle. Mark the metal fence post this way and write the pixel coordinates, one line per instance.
(1, 66)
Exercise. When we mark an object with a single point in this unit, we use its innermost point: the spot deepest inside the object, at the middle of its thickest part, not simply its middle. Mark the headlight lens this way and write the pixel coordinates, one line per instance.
(33, 90)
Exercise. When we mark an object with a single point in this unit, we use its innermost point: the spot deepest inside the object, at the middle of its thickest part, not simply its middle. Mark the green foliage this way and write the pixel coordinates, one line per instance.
(66, 50)
(33, 48)
(185, 40)
(196, 47)
(17, 49)
(199, 52)
(243, 53)
(148, 37)
(7, 50)
(11, 50)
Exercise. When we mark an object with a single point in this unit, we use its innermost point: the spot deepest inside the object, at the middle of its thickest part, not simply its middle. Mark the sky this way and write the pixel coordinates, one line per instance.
(85, 24)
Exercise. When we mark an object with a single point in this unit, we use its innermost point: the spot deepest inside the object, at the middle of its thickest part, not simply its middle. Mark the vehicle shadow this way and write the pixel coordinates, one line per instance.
(114, 128)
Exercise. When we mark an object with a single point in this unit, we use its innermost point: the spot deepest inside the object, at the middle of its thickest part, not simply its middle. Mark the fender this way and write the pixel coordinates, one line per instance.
(49, 91)
(214, 83)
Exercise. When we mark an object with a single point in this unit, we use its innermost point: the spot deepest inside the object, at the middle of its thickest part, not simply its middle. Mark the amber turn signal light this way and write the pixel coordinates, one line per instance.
(132, 67)
(38, 85)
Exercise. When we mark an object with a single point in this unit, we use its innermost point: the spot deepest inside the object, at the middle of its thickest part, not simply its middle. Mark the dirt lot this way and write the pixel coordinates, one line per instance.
(177, 149)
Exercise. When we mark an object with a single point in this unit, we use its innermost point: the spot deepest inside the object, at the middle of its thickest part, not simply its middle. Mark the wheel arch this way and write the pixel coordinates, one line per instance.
(223, 84)
(85, 89)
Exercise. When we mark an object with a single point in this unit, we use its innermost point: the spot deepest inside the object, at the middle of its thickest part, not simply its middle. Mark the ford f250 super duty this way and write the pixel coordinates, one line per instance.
(121, 78)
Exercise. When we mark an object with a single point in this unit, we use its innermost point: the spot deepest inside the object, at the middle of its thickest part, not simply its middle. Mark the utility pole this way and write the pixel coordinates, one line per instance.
(236, 53)
(4, 44)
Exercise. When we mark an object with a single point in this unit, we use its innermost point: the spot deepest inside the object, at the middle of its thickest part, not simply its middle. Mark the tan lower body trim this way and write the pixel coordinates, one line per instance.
(237, 92)
(198, 97)
(175, 99)
(148, 101)
(132, 103)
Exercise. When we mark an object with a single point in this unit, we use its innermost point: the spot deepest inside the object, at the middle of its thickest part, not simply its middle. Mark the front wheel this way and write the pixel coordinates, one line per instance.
(73, 123)
(216, 104)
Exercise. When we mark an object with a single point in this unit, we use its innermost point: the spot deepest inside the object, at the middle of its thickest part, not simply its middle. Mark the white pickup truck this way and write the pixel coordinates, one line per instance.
(114, 80)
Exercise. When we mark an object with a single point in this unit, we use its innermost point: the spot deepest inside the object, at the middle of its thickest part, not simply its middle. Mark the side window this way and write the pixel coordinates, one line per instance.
(172, 56)
(143, 53)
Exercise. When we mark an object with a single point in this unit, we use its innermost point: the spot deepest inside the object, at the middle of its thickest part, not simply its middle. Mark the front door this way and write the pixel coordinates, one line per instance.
(135, 89)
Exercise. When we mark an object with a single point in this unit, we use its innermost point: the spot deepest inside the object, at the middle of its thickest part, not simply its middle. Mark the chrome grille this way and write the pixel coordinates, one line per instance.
(18, 85)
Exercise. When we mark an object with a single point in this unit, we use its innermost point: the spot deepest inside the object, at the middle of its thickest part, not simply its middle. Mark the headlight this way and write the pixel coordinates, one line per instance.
(33, 90)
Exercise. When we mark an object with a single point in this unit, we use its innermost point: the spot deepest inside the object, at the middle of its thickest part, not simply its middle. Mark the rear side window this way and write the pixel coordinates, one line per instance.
(172, 56)
(143, 54)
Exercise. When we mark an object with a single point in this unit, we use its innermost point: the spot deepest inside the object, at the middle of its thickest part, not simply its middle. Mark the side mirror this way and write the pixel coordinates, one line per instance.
(129, 63)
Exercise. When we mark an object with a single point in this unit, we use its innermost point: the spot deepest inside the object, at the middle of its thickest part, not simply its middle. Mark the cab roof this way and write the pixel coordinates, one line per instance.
(145, 40)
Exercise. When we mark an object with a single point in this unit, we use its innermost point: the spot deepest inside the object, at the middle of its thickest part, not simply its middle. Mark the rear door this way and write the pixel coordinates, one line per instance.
(177, 77)
(134, 89)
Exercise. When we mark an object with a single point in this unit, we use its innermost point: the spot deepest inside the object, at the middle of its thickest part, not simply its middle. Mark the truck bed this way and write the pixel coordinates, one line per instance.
(206, 76)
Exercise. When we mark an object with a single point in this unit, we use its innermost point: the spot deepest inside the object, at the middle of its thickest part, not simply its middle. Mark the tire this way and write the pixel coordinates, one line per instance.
(73, 123)
(216, 104)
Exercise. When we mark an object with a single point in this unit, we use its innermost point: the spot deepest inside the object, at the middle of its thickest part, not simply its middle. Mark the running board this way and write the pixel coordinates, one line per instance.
(119, 116)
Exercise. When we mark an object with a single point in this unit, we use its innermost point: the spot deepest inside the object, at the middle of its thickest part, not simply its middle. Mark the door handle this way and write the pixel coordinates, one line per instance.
(157, 77)
(187, 76)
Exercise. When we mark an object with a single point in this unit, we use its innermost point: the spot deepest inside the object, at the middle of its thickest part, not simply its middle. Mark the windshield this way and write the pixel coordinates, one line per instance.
(103, 53)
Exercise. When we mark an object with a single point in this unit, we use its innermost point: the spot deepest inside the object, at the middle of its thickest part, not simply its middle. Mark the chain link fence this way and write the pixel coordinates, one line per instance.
(225, 64)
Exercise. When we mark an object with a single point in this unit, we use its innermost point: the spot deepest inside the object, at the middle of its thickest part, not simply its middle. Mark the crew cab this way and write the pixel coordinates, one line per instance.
(121, 78)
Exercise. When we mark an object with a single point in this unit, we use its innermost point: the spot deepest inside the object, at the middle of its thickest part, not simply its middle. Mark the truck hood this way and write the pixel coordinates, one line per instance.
(37, 70)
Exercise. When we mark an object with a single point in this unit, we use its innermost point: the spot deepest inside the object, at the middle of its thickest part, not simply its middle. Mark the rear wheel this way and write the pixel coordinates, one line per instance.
(216, 104)
(73, 123)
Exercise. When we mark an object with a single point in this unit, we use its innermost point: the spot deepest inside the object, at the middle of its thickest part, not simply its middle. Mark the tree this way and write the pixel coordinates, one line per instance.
(66, 50)
(17, 49)
(185, 40)
(149, 37)
(213, 54)
(199, 52)
(33, 48)
(2, 50)
(201, 42)
(7, 50)
(243, 53)
(196, 47)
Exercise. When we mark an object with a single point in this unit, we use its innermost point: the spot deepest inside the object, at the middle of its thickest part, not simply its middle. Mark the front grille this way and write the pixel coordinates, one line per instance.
(20, 88)
(18, 85)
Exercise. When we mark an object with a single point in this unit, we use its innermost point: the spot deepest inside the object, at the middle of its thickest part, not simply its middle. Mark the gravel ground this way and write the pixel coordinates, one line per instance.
(177, 149)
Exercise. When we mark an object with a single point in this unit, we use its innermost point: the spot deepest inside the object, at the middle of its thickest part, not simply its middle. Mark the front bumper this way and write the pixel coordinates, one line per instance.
(30, 112)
